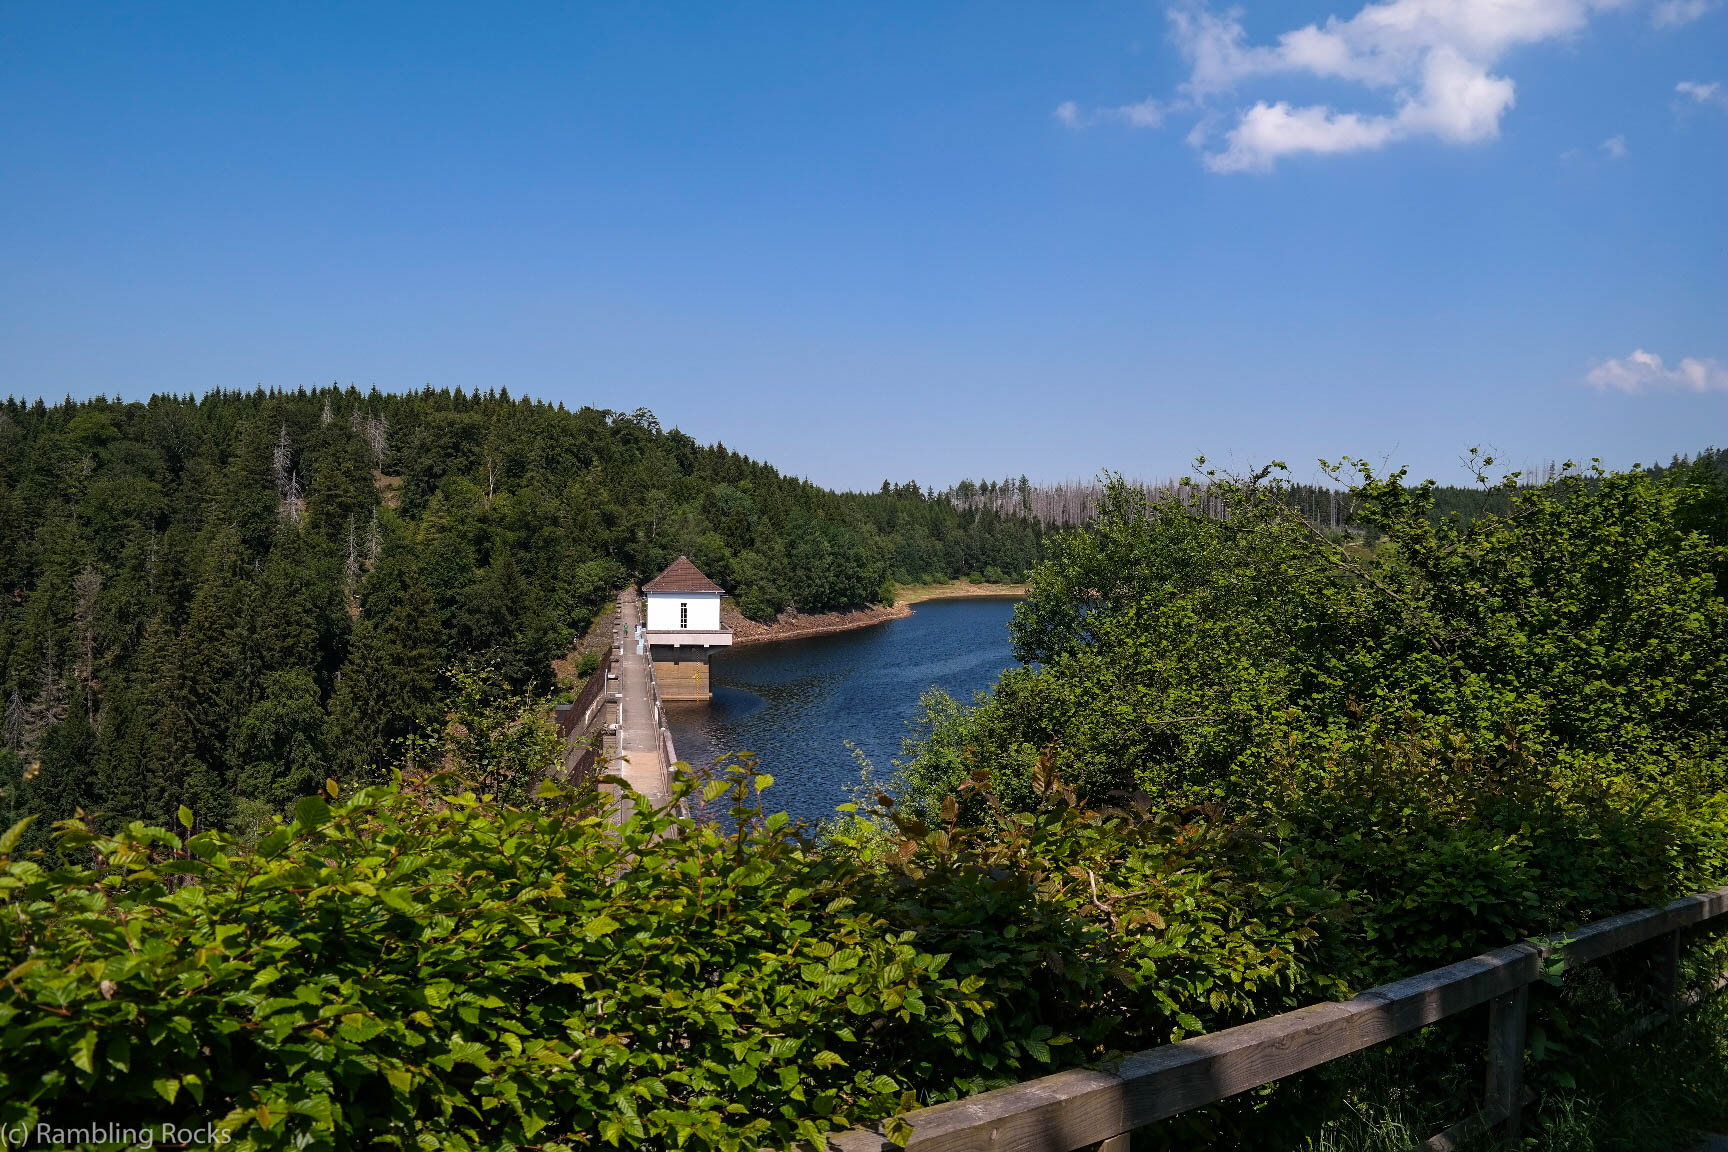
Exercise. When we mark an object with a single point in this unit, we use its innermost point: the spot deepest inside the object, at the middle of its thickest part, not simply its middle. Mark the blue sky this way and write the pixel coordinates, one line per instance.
(919, 241)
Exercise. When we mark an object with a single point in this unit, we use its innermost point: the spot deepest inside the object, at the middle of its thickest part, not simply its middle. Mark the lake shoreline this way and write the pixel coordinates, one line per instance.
(797, 626)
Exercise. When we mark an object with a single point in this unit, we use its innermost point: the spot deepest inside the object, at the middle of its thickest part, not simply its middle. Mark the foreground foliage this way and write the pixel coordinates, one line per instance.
(413, 967)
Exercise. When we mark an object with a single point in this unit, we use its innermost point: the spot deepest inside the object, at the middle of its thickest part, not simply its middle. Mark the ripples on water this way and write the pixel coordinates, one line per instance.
(796, 703)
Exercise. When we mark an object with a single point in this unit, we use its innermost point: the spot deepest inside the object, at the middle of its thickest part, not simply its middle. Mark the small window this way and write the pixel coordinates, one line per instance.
(683, 615)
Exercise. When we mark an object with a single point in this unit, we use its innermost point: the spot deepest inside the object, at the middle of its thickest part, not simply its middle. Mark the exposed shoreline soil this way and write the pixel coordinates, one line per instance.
(795, 626)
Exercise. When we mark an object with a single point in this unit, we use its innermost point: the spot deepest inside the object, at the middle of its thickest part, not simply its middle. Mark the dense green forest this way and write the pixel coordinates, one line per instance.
(220, 602)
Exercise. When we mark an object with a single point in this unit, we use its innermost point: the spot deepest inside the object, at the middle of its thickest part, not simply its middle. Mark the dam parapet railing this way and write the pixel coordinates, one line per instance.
(1101, 1107)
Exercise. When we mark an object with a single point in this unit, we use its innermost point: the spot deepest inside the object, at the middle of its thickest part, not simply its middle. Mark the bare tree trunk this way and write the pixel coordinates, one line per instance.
(86, 586)
(351, 572)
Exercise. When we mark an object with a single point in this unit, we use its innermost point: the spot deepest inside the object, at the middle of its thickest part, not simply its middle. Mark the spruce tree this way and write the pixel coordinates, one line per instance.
(62, 781)
(154, 734)
(279, 745)
(388, 686)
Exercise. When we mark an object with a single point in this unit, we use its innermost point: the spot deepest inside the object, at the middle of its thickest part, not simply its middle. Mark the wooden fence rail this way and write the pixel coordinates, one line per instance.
(1087, 1106)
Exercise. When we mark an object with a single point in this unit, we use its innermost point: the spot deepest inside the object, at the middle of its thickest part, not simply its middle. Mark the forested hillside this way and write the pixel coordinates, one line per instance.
(221, 602)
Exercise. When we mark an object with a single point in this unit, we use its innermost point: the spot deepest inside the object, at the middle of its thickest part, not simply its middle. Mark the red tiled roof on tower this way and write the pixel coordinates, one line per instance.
(681, 576)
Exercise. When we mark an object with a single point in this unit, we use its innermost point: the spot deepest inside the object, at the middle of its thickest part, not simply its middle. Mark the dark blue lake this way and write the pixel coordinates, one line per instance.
(796, 703)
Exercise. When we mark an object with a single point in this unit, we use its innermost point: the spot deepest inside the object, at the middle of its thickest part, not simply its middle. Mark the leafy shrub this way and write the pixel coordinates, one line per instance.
(1485, 729)
(414, 964)
(404, 966)
(1475, 732)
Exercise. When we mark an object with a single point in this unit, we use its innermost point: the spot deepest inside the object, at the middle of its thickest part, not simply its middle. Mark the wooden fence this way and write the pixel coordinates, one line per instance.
(1085, 1107)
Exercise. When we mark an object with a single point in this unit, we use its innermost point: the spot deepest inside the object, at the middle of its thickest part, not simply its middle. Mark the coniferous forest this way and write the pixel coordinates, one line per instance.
(222, 602)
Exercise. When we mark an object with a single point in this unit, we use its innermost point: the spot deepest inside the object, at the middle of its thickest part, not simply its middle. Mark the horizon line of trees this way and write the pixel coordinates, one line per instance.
(1328, 507)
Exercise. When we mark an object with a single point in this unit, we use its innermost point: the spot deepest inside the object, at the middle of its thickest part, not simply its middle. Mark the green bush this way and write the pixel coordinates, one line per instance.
(415, 964)
(402, 966)
(1486, 729)
(1474, 731)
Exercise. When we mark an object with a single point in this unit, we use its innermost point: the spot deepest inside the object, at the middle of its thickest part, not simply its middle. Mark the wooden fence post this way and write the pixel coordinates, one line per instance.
(1668, 973)
(1506, 1022)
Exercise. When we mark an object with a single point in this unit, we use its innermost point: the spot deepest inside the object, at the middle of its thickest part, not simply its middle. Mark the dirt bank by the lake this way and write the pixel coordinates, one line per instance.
(794, 625)
(959, 590)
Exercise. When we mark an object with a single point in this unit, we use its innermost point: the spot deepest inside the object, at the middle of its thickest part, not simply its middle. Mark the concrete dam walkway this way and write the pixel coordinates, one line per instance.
(644, 745)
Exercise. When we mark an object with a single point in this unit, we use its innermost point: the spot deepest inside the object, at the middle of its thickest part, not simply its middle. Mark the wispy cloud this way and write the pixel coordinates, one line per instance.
(1644, 372)
(1145, 114)
(1429, 66)
(1711, 93)
(1614, 147)
(1674, 13)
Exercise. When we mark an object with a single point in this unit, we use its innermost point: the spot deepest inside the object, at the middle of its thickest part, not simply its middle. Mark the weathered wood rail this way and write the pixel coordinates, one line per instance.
(1101, 1106)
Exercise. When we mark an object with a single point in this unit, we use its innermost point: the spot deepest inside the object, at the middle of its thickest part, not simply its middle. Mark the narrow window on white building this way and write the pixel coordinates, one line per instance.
(683, 615)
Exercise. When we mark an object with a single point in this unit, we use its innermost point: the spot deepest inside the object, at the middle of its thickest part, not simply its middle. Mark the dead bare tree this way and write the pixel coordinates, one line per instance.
(86, 586)
(294, 500)
(374, 541)
(290, 496)
(351, 572)
(14, 721)
(378, 439)
(49, 706)
(281, 462)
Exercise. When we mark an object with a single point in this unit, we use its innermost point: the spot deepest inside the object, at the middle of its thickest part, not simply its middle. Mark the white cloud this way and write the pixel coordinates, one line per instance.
(1615, 147)
(1268, 131)
(1145, 114)
(1453, 100)
(1644, 372)
(1674, 13)
(1428, 63)
(1710, 93)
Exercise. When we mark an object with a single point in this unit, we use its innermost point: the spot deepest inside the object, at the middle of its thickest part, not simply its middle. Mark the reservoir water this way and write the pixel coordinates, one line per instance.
(796, 703)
